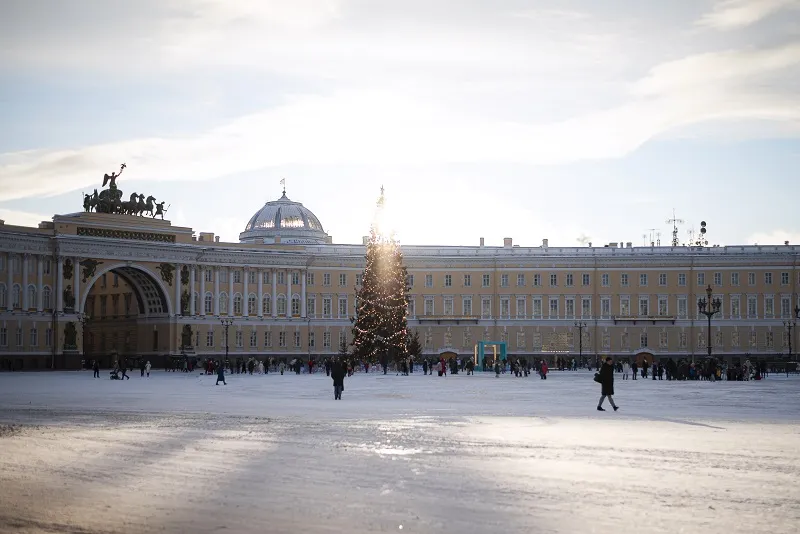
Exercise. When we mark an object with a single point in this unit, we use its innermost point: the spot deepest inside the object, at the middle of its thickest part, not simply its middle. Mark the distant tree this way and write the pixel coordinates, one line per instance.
(413, 345)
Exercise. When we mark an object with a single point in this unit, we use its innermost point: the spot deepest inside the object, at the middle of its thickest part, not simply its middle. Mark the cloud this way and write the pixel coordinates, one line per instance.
(733, 14)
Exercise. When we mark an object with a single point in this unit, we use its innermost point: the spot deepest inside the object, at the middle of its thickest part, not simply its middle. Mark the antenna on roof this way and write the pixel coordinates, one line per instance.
(674, 221)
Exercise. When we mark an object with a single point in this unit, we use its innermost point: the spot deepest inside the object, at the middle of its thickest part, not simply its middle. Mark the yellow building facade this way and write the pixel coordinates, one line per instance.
(101, 286)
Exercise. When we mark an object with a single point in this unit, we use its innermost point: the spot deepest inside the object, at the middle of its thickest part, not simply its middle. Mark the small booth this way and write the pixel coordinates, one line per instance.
(483, 363)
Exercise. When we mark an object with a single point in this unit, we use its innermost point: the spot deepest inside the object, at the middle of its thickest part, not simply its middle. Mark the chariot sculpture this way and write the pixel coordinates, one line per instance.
(110, 200)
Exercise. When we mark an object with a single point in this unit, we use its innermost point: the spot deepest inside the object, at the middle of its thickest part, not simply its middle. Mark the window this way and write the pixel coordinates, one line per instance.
(252, 303)
(505, 307)
(553, 307)
(239, 340)
(486, 308)
(237, 277)
(281, 339)
(662, 340)
(207, 275)
(48, 268)
(681, 279)
(223, 302)
(682, 340)
(537, 280)
(718, 279)
(466, 306)
(784, 279)
(428, 280)
(520, 280)
(623, 279)
(210, 338)
(734, 279)
(569, 305)
(237, 304)
(769, 306)
(485, 280)
(448, 280)
(267, 338)
(537, 307)
(643, 279)
(570, 280)
(310, 279)
(412, 308)
(768, 278)
(643, 340)
(342, 338)
(103, 281)
(605, 307)
(342, 279)
(585, 280)
(769, 341)
(735, 309)
(752, 307)
(312, 342)
(520, 308)
(359, 279)
(342, 307)
(326, 340)
(252, 277)
(751, 279)
(32, 296)
(253, 339)
(296, 339)
(644, 306)
(410, 280)
(281, 306)
(428, 306)
(662, 306)
(281, 277)
(467, 280)
(311, 307)
(3, 337)
(34, 337)
(266, 306)
(503, 280)
(15, 297)
(48, 337)
(605, 280)
(701, 279)
(662, 279)
(326, 307)
(520, 340)
(553, 280)
(3, 296)
(586, 307)
(448, 306)
(326, 279)
(735, 339)
(625, 306)
(103, 305)
(786, 306)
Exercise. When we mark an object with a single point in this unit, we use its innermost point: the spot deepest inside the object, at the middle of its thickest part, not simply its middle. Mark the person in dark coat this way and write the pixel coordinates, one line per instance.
(337, 373)
(96, 368)
(221, 375)
(607, 385)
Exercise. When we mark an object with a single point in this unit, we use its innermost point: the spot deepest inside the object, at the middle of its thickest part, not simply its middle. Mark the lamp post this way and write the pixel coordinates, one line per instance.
(709, 307)
(83, 318)
(226, 323)
(580, 325)
(791, 323)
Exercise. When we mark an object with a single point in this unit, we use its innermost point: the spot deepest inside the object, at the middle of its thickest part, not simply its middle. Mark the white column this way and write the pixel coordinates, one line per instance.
(177, 281)
(202, 291)
(10, 280)
(303, 275)
(260, 305)
(274, 292)
(76, 283)
(40, 282)
(216, 290)
(230, 292)
(246, 291)
(192, 303)
(289, 295)
(59, 286)
(26, 305)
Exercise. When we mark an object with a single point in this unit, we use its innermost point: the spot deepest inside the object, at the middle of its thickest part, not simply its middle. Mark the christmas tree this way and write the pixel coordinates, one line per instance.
(380, 325)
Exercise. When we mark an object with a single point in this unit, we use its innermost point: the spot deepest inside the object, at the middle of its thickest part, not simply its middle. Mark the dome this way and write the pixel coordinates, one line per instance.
(289, 221)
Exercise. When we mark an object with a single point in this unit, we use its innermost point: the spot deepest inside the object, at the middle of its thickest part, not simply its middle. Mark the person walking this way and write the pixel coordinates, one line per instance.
(96, 369)
(141, 367)
(124, 372)
(626, 369)
(337, 374)
(606, 376)
(221, 375)
(147, 368)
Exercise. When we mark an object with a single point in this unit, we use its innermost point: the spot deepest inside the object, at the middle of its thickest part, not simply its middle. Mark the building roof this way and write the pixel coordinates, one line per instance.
(289, 221)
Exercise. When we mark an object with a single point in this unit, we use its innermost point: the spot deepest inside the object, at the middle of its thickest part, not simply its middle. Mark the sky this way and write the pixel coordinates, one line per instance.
(573, 120)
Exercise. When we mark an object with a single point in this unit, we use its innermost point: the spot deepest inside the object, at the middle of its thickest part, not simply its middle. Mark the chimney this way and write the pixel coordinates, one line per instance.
(482, 241)
(364, 239)
(629, 244)
(507, 242)
(544, 243)
(216, 239)
(590, 244)
(206, 236)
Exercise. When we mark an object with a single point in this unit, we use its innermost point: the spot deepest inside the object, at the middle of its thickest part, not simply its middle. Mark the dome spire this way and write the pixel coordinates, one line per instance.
(283, 183)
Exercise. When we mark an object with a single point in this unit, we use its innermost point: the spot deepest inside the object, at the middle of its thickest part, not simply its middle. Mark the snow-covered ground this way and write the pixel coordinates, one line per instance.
(462, 454)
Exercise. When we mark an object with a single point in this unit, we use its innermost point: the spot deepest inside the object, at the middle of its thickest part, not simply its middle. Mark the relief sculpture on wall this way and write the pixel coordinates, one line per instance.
(89, 268)
(167, 272)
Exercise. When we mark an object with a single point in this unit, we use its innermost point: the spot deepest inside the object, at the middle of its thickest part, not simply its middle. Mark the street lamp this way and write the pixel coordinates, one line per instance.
(83, 318)
(791, 323)
(580, 325)
(226, 323)
(709, 307)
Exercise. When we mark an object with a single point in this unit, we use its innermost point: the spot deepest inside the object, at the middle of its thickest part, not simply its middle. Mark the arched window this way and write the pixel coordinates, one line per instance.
(32, 296)
(3, 296)
(209, 303)
(223, 303)
(237, 304)
(282, 306)
(46, 298)
(296, 306)
(251, 303)
(15, 294)
(267, 306)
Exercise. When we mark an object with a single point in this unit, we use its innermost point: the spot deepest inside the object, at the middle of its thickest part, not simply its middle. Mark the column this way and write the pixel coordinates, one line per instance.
(202, 291)
(246, 291)
(260, 305)
(274, 292)
(60, 286)
(40, 283)
(10, 280)
(230, 292)
(303, 275)
(26, 304)
(192, 303)
(177, 280)
(76, 285)
(216, 290)
(289, 293)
